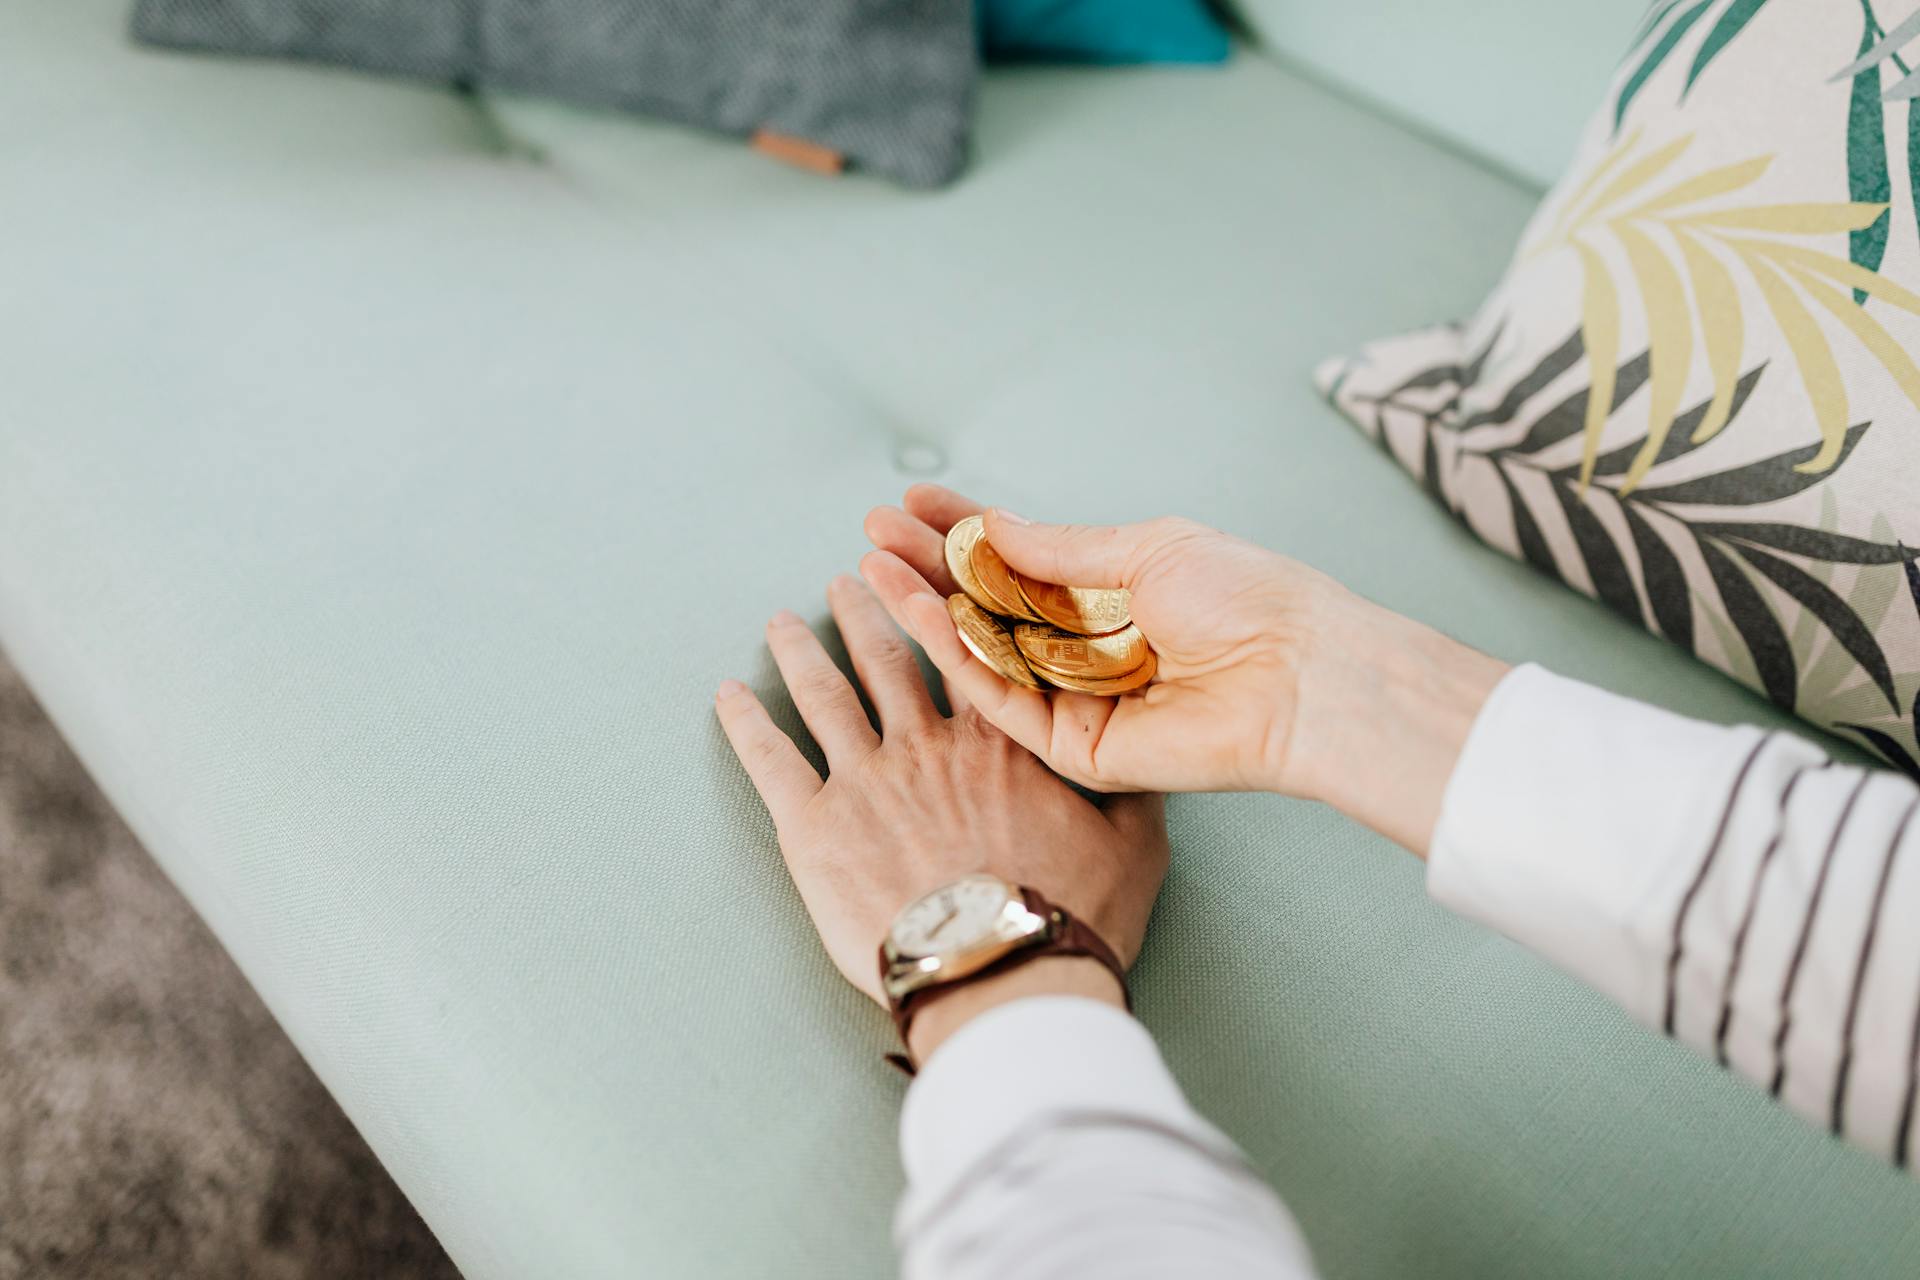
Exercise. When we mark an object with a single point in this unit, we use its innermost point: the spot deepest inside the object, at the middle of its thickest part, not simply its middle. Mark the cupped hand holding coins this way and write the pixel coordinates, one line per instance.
(1266, 674)
(1225, 630)
(1269, 675)
(1039, 634)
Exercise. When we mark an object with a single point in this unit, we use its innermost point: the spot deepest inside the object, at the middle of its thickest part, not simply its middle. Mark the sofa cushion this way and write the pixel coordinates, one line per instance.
(1509, 80)
(380, 506)
(1691, 395)
(886, 85)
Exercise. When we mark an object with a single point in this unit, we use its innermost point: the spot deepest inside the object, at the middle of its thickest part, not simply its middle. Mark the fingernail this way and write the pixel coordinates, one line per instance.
(785, 618)
(728, 688)
(1008, 516)
(844, 582)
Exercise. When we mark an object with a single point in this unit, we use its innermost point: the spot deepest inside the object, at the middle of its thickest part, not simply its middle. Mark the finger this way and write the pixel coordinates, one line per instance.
(893, 580)
(1022, 714)
(826, 701)
(957, 704)
(778, 771)
(881, 657)
(913, 540)
(940, 507)
(1079, 727)
(1081, 555)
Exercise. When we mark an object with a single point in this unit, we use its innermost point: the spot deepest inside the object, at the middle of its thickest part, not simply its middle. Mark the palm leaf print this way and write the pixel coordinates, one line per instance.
(1724, 326)
(1870, 597)
(1600, 332)
(1658, 54)
(1817, 544)
(1669, 342)
(1758, 627)
(1768, 480)
(1656, 14)
(1732, 21)
(1677, 243)
(1867, 141)
(1667, 590)
(1887, 745)
(1866, 128)
(1867, 158)
(1879, 46)
(1794, 611)
(1895, 735)
(1739, 555)
(1819, 371)
(1735, 660)
(1731, 24)
(1821, 601)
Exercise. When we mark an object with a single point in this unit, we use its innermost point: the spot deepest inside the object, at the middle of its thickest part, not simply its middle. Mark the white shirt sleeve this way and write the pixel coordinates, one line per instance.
(1733, 888)
(1047, 1139)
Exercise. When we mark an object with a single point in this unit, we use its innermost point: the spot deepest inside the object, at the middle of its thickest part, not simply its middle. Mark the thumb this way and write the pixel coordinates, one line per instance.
(1078, 555)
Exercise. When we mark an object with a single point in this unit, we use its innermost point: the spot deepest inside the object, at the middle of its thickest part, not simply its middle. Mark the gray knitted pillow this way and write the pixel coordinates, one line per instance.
(885, 83)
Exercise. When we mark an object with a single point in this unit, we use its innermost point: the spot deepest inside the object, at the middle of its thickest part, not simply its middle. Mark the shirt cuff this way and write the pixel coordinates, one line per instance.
(1572, 821)
(1016, 1068)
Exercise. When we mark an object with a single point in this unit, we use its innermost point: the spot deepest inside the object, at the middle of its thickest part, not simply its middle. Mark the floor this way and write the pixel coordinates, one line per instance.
(154, 1120)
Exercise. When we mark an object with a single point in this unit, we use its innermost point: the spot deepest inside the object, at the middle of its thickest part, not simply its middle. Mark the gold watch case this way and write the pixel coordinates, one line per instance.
(1014, 927)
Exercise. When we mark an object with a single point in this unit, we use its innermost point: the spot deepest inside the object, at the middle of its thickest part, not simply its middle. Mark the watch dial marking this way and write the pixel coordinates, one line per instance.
(950, 918)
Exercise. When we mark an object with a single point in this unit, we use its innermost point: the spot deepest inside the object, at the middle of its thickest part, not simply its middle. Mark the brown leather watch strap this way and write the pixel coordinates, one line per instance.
(1066, 935)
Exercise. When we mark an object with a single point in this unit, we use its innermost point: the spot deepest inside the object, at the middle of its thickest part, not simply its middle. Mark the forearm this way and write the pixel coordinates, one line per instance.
(1385, 705)
(1045, 1138)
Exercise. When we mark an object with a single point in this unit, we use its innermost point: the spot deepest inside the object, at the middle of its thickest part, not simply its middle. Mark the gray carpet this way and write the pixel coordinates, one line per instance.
(154, 1121)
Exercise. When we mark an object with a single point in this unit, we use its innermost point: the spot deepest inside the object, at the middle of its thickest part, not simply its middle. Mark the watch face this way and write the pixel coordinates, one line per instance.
(951, 917)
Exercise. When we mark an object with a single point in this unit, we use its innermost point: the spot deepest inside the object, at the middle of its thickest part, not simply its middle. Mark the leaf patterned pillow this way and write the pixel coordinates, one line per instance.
(1693, 395)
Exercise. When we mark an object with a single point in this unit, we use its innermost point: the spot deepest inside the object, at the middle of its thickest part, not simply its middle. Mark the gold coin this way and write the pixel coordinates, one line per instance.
(1086, 611)
(1001, 585)
(960, 543)
(979, 571)
(1106, 688)
(1050, 650)
(988, 641)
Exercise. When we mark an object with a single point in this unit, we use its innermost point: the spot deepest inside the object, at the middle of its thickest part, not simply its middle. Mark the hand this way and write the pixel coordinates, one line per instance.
(1272, 676)
(926, 800)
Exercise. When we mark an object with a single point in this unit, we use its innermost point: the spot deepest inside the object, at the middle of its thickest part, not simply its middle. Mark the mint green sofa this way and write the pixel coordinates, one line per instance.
(387, 479)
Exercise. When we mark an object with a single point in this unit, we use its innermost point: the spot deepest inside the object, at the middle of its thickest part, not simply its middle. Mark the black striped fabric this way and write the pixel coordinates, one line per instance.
(1799, 931)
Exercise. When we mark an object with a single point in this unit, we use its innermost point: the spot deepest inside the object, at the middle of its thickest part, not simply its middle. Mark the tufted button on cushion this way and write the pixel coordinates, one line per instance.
(916, 459)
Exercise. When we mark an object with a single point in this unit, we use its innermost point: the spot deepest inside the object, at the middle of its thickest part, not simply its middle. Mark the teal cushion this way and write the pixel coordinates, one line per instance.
(386, 481)
(1104, 31)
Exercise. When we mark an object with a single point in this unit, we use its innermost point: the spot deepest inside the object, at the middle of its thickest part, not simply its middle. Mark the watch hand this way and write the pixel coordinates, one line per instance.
(945, 920)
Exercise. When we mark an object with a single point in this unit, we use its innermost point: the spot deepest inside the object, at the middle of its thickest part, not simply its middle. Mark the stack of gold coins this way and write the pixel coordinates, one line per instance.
(1041, 634)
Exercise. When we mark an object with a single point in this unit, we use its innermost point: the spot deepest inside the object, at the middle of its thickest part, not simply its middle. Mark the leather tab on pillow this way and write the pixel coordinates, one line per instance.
(799, 152)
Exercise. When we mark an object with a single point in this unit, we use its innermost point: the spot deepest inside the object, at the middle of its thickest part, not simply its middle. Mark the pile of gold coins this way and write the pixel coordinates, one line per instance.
(1041, 634)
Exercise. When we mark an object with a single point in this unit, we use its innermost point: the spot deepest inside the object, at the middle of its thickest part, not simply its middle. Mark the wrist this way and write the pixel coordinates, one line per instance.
(1382, 714)
(1055, 975)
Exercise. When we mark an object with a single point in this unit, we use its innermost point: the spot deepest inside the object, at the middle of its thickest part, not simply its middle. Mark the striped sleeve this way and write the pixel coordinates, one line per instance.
(1732, 888)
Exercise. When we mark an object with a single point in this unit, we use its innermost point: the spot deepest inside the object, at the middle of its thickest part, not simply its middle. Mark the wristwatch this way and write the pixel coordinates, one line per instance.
(976, 926)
